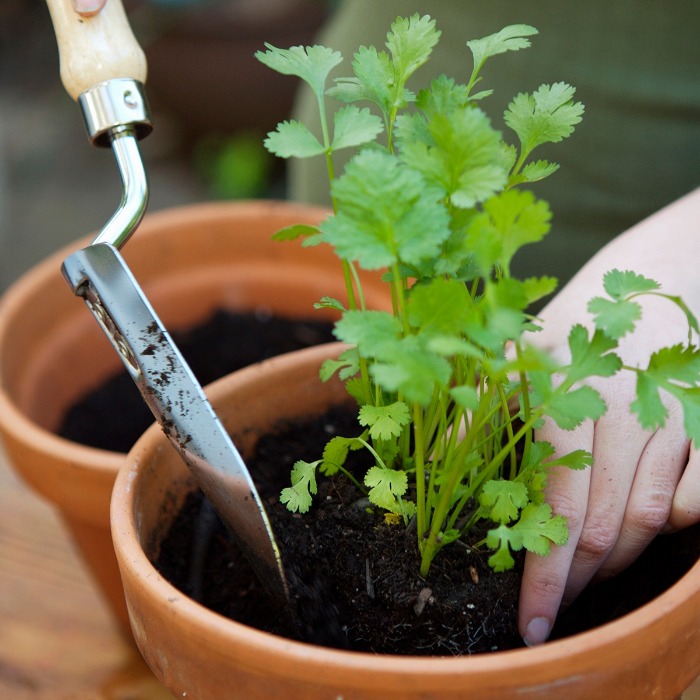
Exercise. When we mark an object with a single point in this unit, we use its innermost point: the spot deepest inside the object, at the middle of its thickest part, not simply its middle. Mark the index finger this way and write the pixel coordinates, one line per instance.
(544, 578)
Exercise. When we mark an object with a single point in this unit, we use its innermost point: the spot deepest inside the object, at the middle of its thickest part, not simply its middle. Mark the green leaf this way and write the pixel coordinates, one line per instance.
(516, 218)
(536, 171)
(385, 422)
(310, 63)
(533, 361)
(459, 153)
(493, 320)
(374, 332)
(298, 496)
(386, 486)
(620, 284)
(482, 94)
(386, 214)
(336, 452)
(648, 406)
(619, 316)
(501, 560)
(354, 127)
(547, 115)
(503, 539)
(591, 357)
(568, 410)
(676, 370)
(538, 528)
(481, 240)
(439, 307)
(291, 233)
(689, 399)
(510, 38)
(578, 459)
(410, 43)
(293, 139)
(677, 363)
(329, 303)
(443, 96)
(541, 385)
(538, 287)
(359, 390)
(411, 369)
(347, 365)
(450, 345)
(536, 456)
(374, 76)
(503, 500)
(466, 396)
(534, 470)
(614, 318)
(380, 77)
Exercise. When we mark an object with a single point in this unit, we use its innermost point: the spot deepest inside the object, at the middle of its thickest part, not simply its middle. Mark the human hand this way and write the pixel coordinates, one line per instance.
(88, 8)
(641, 482)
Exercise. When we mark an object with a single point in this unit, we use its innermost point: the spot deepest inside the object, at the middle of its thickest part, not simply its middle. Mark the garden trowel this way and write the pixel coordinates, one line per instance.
(104, 69)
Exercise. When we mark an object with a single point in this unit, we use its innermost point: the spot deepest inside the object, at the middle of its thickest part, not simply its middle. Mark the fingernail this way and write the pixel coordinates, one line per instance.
(86, 7)
(537, 631)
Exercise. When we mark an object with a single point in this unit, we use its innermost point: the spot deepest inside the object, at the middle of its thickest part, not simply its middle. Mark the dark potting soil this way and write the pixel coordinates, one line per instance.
(354, 577)
(113, 416)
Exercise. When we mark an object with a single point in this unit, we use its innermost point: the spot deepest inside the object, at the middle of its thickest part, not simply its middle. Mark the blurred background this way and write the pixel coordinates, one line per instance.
(211, 101)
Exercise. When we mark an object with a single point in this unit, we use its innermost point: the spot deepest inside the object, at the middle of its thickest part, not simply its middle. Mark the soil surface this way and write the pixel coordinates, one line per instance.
(354, 576)
(221, 344)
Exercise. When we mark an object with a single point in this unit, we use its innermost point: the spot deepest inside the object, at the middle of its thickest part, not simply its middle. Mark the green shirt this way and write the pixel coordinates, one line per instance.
(636, 67)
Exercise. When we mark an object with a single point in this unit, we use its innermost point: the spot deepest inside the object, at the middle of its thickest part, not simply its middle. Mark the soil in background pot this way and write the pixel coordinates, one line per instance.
(354, 576)
(225, 342)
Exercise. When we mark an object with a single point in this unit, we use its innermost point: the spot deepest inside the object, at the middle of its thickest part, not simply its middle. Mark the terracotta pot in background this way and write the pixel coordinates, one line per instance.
(190, 261)
(198, 654)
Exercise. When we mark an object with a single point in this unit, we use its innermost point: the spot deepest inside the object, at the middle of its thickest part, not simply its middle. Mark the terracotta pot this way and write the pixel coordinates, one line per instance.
(190, 261)
(198, 654)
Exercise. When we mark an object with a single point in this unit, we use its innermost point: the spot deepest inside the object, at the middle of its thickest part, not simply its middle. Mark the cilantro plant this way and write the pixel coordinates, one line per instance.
(449, 393)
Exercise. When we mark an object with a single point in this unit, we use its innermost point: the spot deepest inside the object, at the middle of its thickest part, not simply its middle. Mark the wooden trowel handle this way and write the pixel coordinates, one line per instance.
(95, 49)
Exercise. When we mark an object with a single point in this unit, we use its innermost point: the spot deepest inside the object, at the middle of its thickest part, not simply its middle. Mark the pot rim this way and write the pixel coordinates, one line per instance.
(263, 645)
(14, 304)
(15, 300)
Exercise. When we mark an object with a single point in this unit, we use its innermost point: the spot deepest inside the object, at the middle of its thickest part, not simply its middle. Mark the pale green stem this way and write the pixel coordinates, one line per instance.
(509, 431)
(527, 408)
(420, 472)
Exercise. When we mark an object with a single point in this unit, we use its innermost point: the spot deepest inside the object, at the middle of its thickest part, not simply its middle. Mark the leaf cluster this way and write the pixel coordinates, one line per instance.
(449, 393)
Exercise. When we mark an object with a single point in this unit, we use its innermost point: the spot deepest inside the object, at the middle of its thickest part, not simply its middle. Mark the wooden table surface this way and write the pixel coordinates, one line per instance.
(57, 640)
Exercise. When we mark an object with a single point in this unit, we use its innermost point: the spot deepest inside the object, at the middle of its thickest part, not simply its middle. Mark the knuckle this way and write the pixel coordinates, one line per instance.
(651, 516)
(598, 537)
(546, 586)
(686, 508)
(565, 505)
(542, 588)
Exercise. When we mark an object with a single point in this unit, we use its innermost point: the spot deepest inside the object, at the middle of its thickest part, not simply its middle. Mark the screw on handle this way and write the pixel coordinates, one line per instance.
(96, 49)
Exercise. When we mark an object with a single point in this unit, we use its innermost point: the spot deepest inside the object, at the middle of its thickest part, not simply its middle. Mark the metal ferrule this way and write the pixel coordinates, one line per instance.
(116, 115)
(112, 104)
